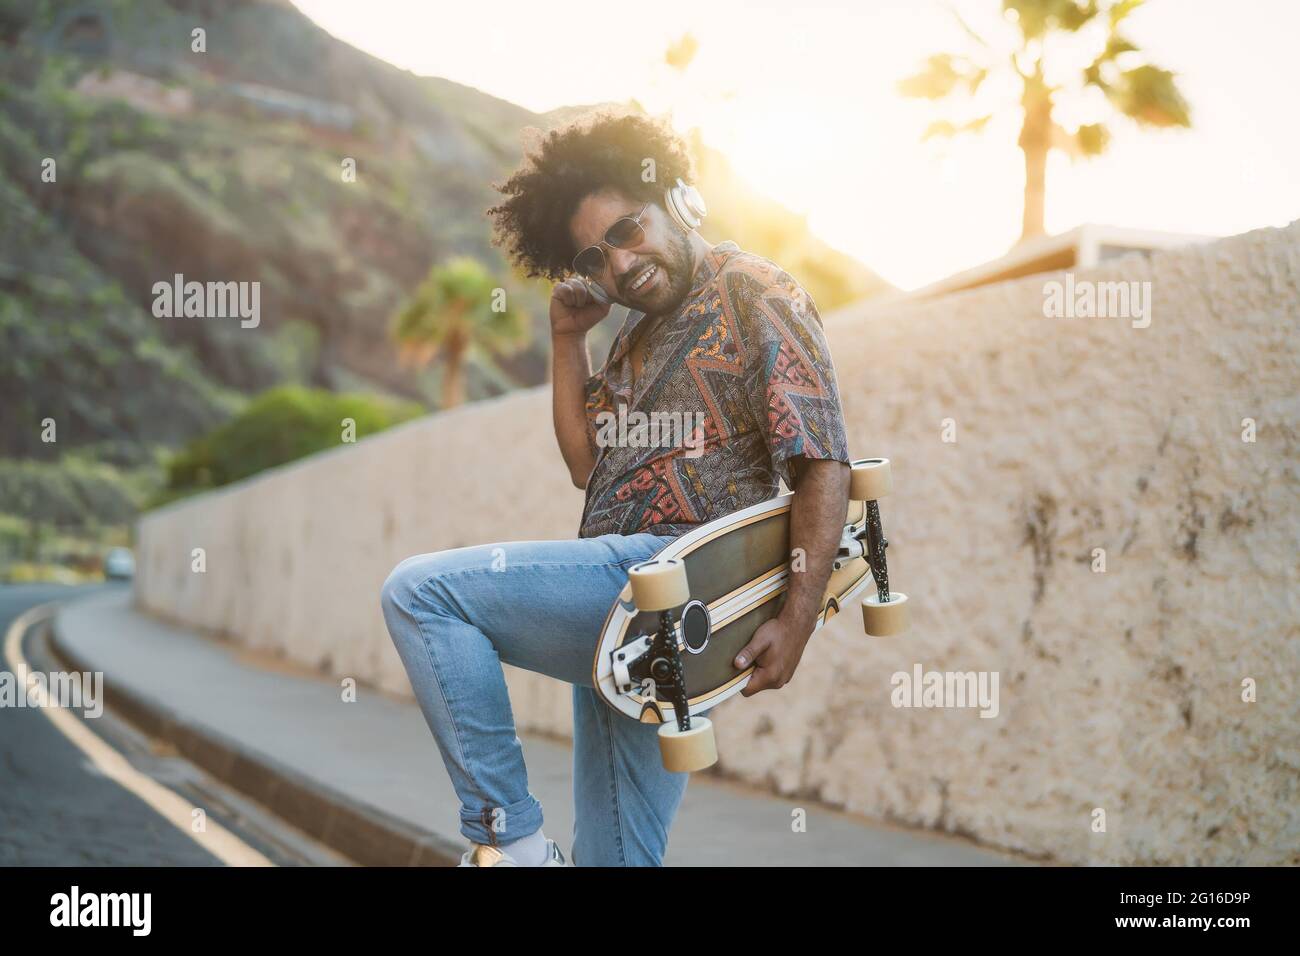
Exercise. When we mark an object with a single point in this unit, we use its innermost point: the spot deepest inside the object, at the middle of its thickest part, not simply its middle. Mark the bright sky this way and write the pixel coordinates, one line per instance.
(801, 95)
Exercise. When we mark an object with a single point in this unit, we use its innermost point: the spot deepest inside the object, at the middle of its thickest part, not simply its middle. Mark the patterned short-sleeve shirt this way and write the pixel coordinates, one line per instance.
(733, 385)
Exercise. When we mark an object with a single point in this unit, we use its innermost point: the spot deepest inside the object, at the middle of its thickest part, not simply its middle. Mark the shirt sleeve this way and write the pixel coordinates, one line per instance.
(790, 382)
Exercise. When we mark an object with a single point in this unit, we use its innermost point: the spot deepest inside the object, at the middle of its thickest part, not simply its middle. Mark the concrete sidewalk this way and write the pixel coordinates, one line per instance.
(365, 777)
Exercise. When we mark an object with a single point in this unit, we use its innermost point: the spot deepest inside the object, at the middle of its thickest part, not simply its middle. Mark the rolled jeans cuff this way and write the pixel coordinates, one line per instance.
(495, 825)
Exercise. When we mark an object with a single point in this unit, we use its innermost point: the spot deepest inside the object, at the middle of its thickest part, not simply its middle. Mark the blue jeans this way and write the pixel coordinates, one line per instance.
(455, 616)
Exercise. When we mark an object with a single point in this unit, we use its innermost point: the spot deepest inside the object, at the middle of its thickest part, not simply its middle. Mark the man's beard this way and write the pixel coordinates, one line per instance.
(674, 283)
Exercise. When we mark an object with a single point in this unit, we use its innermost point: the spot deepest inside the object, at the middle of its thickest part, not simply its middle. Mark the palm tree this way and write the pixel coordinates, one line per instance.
(1117, 75)
(457, 311)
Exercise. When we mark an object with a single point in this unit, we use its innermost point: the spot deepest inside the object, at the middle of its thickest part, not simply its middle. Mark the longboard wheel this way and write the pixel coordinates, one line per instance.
(882, 620)
(659, 585)
(870, 479)
(690, 751)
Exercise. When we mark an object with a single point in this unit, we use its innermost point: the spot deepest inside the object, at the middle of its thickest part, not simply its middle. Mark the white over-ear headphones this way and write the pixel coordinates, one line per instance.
(685, 206)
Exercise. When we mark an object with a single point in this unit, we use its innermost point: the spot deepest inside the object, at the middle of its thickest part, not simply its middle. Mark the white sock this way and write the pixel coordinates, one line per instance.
(532, 850)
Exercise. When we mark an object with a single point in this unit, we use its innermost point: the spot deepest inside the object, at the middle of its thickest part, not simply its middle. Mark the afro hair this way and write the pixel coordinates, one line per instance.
(595, 152)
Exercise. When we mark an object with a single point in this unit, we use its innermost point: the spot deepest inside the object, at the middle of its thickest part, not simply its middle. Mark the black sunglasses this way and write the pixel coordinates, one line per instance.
(625, 233)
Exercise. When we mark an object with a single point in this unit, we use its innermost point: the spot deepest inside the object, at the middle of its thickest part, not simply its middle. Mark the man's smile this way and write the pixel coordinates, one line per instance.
(644, 279)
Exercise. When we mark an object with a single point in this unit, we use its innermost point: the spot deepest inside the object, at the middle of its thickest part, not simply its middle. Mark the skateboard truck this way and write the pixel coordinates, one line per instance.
(851, 547)
(885, 612)
(646, 659)
(687, 743)
(626, 658)
(655, 660)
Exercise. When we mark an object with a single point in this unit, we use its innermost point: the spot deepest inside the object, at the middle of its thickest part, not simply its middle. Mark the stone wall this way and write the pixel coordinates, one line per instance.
(1119, 691)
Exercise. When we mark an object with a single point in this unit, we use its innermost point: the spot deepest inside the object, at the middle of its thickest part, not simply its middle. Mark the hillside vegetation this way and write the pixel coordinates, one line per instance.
(127, 158)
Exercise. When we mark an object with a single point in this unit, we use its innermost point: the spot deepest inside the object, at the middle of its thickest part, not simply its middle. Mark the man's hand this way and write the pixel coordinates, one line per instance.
(776, 649)
(817, 516)
(574, 311)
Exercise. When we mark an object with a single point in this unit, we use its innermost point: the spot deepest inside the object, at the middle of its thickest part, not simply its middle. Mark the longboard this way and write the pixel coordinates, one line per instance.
(737, 570)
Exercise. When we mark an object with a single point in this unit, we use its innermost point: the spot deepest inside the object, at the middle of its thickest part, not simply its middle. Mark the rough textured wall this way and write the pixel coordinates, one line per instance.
(1119, 690)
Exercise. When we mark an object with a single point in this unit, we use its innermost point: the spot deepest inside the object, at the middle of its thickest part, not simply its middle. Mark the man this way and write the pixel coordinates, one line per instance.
(714, 332)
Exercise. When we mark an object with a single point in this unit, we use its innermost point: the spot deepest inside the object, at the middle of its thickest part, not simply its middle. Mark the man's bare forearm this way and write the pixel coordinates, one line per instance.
(821, 504)
(570, 369)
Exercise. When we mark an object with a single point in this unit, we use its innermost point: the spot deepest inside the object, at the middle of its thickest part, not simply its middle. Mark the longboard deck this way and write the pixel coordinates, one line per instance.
(737, 566)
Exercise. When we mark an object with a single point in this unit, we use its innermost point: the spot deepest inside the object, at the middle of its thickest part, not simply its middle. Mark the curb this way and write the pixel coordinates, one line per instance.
(362, 833)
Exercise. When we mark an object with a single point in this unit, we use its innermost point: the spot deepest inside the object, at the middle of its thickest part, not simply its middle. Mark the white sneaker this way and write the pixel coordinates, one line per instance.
(480, 854)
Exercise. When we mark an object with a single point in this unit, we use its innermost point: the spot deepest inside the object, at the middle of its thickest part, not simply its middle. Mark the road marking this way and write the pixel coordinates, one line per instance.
(168, 804)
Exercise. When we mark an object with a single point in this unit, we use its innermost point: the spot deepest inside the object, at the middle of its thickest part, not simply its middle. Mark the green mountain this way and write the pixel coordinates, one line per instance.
(232, 164)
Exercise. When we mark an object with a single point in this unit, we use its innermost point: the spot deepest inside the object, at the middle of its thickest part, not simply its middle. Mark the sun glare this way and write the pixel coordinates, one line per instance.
(803, 100)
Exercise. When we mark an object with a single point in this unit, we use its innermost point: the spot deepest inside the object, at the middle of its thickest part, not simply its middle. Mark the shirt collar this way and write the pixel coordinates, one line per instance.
(712, 263)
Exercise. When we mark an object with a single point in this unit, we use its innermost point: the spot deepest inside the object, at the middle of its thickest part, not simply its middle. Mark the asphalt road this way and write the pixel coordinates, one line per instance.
(58, 809)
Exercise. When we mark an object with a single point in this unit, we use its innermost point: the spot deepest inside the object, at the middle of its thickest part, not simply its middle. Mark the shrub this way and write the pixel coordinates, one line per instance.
(279, 426)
